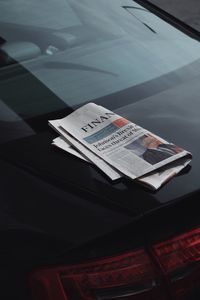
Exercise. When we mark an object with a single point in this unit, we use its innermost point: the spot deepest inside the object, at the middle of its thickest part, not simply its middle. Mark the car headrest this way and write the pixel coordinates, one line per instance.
(11, 52)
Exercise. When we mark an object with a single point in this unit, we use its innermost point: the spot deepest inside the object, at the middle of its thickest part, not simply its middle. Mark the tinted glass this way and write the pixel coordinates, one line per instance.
(56, 55)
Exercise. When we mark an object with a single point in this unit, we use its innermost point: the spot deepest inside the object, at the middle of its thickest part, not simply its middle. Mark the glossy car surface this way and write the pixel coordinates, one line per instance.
(57, 210)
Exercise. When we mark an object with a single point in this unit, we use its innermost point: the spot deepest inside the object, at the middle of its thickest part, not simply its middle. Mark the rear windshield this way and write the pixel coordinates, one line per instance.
(61, 54)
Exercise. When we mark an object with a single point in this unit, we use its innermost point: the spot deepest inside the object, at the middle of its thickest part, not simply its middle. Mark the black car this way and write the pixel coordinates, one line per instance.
(67, 231)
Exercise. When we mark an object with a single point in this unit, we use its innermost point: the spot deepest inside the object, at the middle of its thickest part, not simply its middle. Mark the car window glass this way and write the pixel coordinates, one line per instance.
(85, 50)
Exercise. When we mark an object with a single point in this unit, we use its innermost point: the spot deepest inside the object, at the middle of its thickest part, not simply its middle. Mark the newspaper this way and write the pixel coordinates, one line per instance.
(63, 144)
(120, 147)
(100, 163)
(153, 181)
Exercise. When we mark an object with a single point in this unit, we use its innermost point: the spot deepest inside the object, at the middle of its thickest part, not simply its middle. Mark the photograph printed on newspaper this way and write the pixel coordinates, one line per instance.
(119, 146)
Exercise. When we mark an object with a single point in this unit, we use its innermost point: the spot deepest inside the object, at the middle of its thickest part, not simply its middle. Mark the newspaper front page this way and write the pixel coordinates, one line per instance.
(122, 146)
(129, 148)
(153, 180)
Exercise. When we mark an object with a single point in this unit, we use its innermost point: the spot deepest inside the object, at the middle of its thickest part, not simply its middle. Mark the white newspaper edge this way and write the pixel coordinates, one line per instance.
(165, 174)
(68, 124)
(153, 181)
(63, 144)
(99, 162)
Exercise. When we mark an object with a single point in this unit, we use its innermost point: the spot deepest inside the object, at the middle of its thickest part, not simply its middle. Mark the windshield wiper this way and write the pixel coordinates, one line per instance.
(138, 8)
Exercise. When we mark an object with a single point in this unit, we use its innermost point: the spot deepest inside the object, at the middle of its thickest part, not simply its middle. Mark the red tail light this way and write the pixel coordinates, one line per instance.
(179, 260)
(171, 272)
(129, 276)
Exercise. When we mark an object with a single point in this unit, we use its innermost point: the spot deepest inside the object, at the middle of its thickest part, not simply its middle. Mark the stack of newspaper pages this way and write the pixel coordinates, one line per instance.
(119, 147)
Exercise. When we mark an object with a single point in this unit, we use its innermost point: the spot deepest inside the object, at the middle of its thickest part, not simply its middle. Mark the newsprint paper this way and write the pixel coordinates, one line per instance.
(119, 147)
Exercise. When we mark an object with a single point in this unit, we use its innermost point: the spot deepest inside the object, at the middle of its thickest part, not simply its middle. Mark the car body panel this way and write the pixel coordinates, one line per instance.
(57, 209)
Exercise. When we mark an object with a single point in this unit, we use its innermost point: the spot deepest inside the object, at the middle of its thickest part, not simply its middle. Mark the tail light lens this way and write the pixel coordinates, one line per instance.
(130, 276)
(179, 260)
(171, 270)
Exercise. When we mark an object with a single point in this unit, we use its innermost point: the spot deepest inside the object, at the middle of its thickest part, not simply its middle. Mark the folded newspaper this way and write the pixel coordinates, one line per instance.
(119, 147)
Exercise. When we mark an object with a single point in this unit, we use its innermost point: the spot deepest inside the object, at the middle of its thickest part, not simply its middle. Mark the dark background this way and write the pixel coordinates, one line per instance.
(186, 10)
